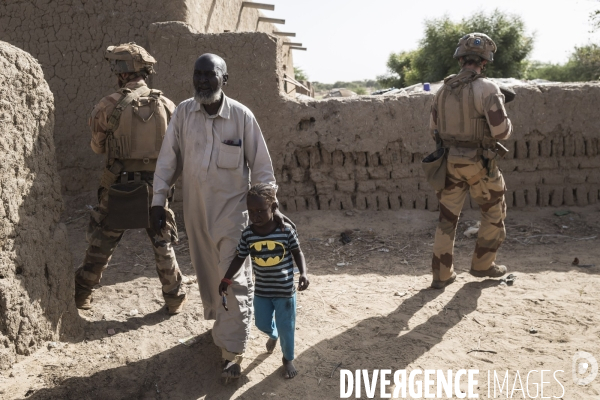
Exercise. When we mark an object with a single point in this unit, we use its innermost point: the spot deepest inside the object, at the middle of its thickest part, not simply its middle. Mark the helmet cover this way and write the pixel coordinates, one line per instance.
(129, 57)
(476, 44)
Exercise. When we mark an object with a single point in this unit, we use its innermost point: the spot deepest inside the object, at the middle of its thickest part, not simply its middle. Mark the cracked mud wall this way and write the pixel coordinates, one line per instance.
(36, 277)
(69, 37)
(365, 152)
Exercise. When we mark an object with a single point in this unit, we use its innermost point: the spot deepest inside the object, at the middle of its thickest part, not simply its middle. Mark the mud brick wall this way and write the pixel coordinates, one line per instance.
(36, 278)
(69, 37)
(366, 152)
(553, 158)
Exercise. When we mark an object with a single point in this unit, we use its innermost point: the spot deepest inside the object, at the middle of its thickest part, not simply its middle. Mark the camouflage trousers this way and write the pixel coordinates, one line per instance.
(103, 241)
(488, 193)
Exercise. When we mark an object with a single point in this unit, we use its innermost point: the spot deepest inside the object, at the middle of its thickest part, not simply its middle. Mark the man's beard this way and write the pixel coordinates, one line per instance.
(208, 98)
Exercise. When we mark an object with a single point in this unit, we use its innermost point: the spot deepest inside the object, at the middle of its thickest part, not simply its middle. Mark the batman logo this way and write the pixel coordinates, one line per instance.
(267, 253)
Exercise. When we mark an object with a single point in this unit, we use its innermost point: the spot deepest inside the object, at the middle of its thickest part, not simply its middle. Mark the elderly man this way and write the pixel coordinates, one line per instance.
(218, 146)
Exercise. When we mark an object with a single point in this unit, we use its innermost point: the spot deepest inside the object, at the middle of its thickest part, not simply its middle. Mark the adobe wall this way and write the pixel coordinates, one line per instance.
(36, 277)
(365, 152)
(69, 37)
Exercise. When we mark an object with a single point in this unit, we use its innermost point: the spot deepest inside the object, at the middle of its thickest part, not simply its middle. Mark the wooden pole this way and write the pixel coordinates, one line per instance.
(260, 6)
(292, 44)
(271, 20)
(290, 34)
(298, 48)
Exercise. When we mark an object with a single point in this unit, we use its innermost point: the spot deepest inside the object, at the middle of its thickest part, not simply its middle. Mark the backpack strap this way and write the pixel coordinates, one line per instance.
(129, 97)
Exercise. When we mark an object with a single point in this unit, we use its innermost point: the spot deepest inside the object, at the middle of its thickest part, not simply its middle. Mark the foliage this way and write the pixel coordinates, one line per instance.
(300, 75)
(595, 19)
(583, 65)
(433, 61)
(360, 87)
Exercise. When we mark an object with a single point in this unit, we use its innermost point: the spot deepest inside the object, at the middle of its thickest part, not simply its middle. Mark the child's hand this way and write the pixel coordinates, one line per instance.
(303, 283)
(223, 288)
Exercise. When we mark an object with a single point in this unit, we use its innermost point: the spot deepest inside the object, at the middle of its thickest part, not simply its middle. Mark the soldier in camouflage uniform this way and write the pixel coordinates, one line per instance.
(133, 162)
(468, 118)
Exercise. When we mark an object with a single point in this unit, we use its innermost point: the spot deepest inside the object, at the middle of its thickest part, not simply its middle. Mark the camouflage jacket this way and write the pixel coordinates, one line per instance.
(488, 103)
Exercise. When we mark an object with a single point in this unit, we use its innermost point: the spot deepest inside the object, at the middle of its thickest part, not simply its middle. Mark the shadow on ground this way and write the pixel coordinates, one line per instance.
(189, 373)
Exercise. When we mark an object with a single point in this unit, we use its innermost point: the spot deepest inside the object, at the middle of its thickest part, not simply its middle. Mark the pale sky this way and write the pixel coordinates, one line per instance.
(352, 39)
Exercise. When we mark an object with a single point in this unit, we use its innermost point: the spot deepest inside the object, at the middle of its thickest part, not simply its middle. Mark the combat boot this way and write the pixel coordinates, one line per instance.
(83, 297)
(495, 271)
(175, 302)
(435, 284)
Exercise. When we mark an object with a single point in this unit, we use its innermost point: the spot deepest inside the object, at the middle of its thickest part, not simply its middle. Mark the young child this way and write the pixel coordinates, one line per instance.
(271, 248)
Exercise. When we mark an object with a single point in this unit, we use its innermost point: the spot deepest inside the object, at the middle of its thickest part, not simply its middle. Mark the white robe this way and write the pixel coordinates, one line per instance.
(216, 180)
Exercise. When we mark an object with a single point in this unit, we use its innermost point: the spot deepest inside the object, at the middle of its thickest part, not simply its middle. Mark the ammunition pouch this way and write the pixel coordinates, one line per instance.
(110, 174)
(108, 178)
(128, 206)
(434, 166)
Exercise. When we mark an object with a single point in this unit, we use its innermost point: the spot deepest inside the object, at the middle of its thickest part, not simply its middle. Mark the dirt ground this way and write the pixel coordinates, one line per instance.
(368, 307)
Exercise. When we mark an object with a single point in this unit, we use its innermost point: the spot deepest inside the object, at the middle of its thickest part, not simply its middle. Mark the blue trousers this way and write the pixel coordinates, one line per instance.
(282, 326)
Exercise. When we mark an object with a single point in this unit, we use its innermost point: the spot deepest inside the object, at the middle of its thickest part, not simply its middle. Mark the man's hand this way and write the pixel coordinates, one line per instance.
(223, 288)
(303, 283)
(158, 219)
(281, 219)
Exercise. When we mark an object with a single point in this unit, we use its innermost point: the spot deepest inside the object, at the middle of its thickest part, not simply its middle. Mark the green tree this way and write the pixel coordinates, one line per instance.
(595, 19)
(433, 61)
(300, 75)
(583, 66)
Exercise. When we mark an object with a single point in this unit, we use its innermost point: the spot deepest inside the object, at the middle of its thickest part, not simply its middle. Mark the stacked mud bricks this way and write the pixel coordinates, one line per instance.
(555, 171)
(316, 179)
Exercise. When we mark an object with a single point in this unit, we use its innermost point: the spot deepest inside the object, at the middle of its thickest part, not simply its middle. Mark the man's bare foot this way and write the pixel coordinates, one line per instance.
(289, 369)
(271, 345)
(231, 370)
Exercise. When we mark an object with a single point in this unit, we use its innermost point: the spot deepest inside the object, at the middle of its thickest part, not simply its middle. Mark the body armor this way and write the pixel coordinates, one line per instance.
(458, 122)
(137, 126)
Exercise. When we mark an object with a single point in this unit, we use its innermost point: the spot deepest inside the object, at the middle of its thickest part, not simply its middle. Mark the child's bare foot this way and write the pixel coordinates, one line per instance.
(271, 345)
(231, 370)
(289, 369)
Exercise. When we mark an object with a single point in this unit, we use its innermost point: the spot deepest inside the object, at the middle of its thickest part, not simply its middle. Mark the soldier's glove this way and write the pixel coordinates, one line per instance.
(158, 219)
(509, 94)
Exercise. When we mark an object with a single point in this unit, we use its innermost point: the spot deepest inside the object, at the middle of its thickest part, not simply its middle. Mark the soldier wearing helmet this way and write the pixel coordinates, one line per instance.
(129, 61)
(468, 119)
(128, 126)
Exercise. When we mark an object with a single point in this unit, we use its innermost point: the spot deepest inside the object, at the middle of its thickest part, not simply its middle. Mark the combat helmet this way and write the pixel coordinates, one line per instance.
(129, 57)
(476, 44)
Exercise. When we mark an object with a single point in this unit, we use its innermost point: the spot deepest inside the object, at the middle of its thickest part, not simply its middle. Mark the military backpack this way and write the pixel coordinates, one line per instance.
(137, 126)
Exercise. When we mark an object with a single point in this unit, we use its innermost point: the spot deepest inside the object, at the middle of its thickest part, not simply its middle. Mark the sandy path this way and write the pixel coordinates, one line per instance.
(350, 314)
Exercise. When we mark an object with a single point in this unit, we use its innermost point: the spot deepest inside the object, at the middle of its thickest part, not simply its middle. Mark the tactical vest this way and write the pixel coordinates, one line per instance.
(136, 127)
(458, 122)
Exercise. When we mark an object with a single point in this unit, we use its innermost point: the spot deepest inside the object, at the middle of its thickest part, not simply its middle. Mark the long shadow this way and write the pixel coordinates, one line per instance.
(96, 330)
(188, 373)
(355, 348)
(182, 372)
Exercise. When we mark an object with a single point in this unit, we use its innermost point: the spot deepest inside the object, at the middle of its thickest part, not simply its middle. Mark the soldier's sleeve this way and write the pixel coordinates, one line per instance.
(495, 113)
(169, 106)
(169, 163)
(98, 122)
(256, 152)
